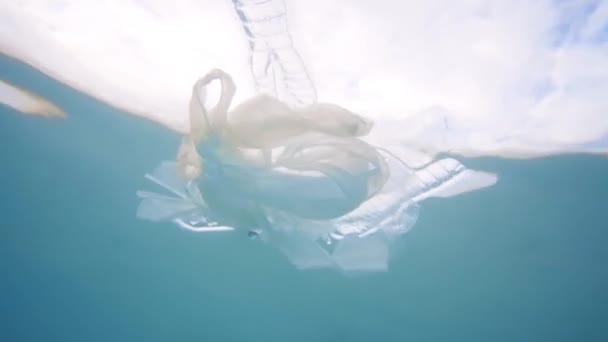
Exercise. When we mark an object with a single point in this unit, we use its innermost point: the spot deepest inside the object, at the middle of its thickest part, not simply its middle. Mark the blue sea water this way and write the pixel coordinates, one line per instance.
(522, 261)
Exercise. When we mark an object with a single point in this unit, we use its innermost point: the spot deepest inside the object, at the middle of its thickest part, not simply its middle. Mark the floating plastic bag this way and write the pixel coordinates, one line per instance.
(302, 180)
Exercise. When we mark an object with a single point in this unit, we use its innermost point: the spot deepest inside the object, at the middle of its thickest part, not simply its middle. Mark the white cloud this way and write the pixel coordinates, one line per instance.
(500, 77)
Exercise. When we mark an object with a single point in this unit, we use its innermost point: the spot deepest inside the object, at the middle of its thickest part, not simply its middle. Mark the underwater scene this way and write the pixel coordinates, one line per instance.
(277, 170)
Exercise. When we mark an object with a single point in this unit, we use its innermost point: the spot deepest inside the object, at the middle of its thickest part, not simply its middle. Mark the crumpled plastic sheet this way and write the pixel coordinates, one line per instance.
(303, 180)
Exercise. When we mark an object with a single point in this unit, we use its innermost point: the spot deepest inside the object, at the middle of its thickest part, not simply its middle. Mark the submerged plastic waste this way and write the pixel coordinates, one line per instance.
(304, 180)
